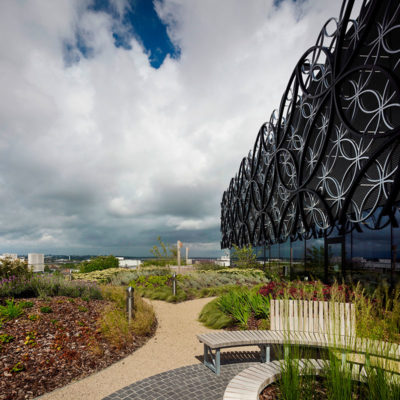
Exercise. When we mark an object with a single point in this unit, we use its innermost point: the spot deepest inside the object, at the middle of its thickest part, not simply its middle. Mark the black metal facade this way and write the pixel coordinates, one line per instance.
(328, 159)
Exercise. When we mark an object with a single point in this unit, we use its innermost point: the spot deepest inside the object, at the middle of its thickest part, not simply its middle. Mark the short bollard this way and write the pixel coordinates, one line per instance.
(174, 284)
(129, 302)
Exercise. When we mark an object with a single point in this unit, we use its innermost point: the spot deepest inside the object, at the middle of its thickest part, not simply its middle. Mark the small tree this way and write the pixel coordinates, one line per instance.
(245, 257)
(164, 253)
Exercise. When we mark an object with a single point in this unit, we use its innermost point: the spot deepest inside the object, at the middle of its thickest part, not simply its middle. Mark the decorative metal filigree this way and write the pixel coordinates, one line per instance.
(330, 155)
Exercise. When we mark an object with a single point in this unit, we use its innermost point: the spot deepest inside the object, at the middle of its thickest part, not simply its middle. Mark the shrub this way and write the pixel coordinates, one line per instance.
(144, 318)
(43, 286)
(11, 310)
(240, 304)
(99, 263)
(26, 304)
(114, 326)
(13, 268)
(46, 310)
(114, 322)
(212, 316)
(5, 338)
(208, 266)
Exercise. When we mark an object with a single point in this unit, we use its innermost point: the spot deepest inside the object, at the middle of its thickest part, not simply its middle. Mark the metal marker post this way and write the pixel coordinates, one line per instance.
(129, 302)
(174, 284)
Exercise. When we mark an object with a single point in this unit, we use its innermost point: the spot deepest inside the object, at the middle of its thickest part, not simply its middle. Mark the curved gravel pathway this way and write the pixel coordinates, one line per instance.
(174, 345)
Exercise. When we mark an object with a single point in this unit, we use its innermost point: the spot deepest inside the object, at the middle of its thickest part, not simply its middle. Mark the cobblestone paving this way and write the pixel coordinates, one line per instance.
(194, 382)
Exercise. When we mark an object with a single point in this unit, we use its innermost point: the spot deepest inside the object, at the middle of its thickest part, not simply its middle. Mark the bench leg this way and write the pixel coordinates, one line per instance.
(212, 360)
(265, 353)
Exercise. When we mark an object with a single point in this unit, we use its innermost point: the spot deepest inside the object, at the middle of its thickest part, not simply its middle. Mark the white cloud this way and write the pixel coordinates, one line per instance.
(105, 154)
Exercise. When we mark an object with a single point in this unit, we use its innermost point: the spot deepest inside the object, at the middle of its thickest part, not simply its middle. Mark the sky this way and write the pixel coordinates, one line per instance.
(122, 121)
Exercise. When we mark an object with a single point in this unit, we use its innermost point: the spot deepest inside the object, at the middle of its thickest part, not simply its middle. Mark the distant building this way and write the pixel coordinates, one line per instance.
(224, 261)
(128, 263)
(11, 256)
(36, 262)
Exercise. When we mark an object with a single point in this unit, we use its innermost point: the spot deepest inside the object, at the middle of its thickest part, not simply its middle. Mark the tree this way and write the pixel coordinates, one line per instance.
(99, 263)
(245, 257)
(10, 267)
(164, 253)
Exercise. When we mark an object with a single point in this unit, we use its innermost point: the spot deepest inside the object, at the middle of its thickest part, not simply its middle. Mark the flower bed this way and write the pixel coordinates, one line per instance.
(54, 341)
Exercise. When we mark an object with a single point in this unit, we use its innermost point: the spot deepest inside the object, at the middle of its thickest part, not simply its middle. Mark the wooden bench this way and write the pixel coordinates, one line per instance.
(301, 323)
(249, 383)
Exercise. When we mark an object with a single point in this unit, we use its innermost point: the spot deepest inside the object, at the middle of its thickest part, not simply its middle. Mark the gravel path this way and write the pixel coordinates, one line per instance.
(174, 345)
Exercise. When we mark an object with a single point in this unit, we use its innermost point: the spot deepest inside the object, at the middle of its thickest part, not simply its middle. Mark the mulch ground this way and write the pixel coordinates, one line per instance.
(41, 351)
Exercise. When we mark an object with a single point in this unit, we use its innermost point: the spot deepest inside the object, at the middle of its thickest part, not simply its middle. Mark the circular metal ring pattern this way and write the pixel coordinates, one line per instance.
(330, 155)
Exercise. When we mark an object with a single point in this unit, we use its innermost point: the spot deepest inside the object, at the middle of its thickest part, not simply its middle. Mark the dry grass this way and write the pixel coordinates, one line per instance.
(114, 324)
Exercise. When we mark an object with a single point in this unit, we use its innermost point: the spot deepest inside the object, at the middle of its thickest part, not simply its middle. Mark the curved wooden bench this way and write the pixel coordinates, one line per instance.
(308, 324)
(249, 383)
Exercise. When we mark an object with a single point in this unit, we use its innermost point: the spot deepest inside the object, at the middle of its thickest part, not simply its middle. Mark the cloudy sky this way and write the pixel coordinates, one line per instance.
(122, 120)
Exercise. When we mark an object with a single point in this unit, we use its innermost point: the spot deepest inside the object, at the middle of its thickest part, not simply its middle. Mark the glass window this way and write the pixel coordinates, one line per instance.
(315, 259)
(298, 259)
(284, 255)
(371, 255)
(274, 259)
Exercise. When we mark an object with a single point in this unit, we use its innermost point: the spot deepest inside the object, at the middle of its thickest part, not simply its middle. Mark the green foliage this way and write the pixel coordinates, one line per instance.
(46, 310)
(33, 317)
(26, 304)
(208, 266)
(82, 309)
(18, 367)
(241, 303)
(103, 276)
(144, 318)
(99, 263)
(48, 286)
(212, 316)
(30, 338)
(338, 378)
(5, 338)
(290, 382)
(13, 268)
(114, 322)
(164, 253)
(245, 257)
(11, 310)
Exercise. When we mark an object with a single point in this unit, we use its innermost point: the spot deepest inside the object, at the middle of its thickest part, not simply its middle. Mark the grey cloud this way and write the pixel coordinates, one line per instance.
(106, 154)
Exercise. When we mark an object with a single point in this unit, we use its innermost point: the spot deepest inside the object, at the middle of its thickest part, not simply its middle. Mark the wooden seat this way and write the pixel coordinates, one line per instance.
(249, 383)
(301, 323)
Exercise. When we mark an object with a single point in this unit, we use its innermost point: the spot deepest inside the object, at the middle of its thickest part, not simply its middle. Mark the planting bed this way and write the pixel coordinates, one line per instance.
(318, 391)
(53, 342)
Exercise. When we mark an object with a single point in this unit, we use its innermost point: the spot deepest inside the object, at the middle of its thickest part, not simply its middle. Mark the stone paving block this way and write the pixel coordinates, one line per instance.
(194, 382)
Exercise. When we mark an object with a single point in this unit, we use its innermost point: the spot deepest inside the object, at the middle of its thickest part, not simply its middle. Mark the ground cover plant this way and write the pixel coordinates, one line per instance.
(155, 282)
(54, 330)
(195, 284)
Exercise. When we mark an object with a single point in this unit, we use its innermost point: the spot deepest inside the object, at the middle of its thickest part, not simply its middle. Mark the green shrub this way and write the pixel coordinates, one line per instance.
(99, 263)
(46, 310)
(11, 310)
(26, 304)
(5, 338)
(212, 316)
(208, 266)
(144, 318)
(241, 303)
(13, 268)
(48, 286)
